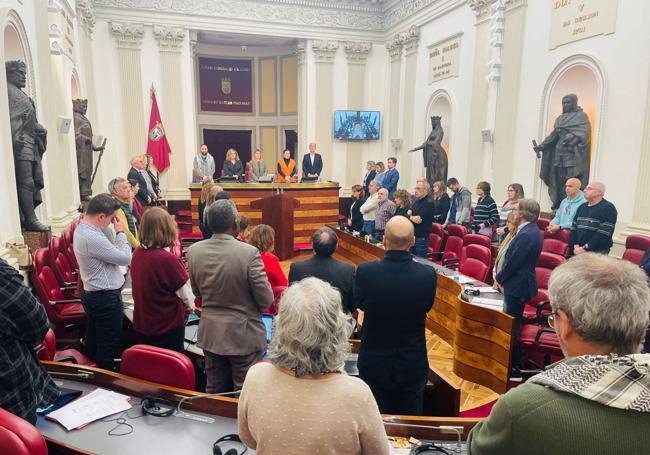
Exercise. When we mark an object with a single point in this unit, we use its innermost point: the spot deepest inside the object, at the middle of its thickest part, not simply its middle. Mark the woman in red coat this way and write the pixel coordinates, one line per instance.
(262, 237)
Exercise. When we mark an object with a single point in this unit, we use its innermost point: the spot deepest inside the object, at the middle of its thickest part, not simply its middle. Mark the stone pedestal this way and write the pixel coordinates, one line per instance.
(36, 240)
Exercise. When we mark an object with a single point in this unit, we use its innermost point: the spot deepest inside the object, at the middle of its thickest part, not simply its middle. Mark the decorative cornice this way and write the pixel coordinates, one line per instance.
(299, 52)
(357, 52)
(410, 39)
(482, 7)
(324, 50)
(403, 9)
(86, 15)
(394, 47)
(128, 35)
(169, 38)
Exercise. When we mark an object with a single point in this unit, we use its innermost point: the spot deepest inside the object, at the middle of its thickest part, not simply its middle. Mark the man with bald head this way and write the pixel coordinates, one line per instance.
(567, 211)
(593, 225)
(395, 293)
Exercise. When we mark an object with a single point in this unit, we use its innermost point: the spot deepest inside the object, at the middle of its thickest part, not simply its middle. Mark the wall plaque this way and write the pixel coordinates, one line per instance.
(573, 20)
(444, 57)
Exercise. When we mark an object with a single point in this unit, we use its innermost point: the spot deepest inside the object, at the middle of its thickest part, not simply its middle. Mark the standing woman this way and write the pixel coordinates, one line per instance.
(515, 192)
(503, 247)
(232, 165)
(380, 170)
(286, 168)
(262, 237)
(355, 222)
(485, 213)
(441, 202)
(402, 199)
(136, 205)
(256, 167)
(161, 286)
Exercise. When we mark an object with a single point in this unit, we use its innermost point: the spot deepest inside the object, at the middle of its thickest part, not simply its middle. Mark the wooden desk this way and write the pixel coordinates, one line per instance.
(480, 337)
(319, 203)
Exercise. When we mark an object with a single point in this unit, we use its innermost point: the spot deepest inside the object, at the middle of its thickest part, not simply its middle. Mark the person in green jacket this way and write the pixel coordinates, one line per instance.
(596, 400)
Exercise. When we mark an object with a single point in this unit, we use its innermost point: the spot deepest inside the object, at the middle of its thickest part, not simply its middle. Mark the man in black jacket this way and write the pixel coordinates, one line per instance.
(323, 266)
(395, 293)
(594, 223)
(137, 172)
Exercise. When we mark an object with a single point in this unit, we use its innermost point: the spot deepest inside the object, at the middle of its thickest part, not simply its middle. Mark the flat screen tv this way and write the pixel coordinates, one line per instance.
(357, 125)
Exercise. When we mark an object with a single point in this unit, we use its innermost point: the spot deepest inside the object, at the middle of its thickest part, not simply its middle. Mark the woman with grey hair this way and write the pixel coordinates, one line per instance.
(315, 407)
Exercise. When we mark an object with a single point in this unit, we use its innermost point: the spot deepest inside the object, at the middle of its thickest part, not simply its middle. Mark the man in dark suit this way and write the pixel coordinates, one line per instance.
(138, 168)
(395, 294)
(370, 175)
(517, 277)
(312, 162)
(392, 177)
(323, 266)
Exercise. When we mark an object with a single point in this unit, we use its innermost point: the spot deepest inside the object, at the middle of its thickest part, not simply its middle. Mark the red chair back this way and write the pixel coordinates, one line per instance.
(19, 437)
(437, 229)
(66, 236)
(456, 230)
(158, 365)
(63, 270)
(42, 257)
(557, 243)
(48, 351)
(542, 224)
(474, 239)
(277, 295)
(635, 247)
(477, 262)
(56, 245)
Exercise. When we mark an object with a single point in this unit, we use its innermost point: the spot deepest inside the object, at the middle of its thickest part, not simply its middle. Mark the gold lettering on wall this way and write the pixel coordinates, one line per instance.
(573, 20)
(444, 59)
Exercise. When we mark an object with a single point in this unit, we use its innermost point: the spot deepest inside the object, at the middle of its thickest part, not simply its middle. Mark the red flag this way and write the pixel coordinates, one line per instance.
(157, 145)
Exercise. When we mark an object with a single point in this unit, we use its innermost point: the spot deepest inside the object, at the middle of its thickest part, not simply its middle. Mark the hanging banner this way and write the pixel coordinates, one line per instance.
(226, 85)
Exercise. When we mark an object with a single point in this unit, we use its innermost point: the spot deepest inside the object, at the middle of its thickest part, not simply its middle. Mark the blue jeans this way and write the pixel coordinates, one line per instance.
(514, 306)
(369, 227)
(420, 247)
(104, 314)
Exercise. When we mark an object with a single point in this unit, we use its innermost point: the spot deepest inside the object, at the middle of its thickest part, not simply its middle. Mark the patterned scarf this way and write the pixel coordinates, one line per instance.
(618, 382)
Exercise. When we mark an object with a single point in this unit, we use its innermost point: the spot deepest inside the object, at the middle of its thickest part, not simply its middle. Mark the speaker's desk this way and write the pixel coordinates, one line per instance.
(319, 203)
(173, 434)
(480, 336)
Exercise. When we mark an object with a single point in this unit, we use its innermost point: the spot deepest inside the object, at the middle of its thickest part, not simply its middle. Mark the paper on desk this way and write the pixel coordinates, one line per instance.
(492, 303)
(94, 406)
(486, 290)
(462, 279)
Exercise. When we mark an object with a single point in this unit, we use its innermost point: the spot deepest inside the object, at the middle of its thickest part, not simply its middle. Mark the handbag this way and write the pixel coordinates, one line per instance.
(21, 253)
(486, 231)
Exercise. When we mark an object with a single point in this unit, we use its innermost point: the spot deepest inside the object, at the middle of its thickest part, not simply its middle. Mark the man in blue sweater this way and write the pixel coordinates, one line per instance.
(568, 207)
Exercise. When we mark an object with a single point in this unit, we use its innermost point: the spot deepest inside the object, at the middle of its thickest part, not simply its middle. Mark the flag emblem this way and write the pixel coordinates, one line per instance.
(157, 132)
(226, 85)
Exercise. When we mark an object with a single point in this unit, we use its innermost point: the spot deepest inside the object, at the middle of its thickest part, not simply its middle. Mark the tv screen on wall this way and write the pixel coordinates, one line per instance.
(357, 125)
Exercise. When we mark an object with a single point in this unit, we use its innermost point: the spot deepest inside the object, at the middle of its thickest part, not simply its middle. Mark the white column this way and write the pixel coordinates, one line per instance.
(170, 42)
(410, 40)
(324, 52)
(299, 52)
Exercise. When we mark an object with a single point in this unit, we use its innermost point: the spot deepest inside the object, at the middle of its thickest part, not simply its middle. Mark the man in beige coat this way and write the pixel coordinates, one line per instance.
(229, 277)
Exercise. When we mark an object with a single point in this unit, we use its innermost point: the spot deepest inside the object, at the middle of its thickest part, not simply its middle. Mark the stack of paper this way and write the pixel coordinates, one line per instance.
(489, 303)
(94, 406)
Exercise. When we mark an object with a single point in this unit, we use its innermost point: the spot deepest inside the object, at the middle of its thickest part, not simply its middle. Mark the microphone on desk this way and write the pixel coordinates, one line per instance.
(394, 420)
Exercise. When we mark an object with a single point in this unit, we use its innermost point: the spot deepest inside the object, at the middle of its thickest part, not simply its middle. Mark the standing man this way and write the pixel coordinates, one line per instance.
(369, 208)
(146, 194)
(392, 177)
(385, 210)
(229, 277)
(24, 383)
(99, 266)
(421, 215)
(120, 189)
(594, 223)
(517, 276)
(395, 293)
(461, 203)
(29, 140)
(203, 167)
(370, 175)
(564, 215)
(312, 162)
(323, 266)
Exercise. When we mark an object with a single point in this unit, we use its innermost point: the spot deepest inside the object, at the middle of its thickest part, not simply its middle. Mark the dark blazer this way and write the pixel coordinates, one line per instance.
(645, 263)
(356, 217)
(395, 294)
(441, 209)
(307, 167)
(370, 176)
(517, 276)
(154, 183)
(134, 174)
(338, 274)
(390, 181)
(236, 170)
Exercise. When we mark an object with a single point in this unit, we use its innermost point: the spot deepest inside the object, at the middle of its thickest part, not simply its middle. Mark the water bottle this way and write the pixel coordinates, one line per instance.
(456, 276)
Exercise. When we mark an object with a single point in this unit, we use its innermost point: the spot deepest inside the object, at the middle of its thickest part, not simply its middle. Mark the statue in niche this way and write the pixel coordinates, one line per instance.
(565, 150)
(435, 157)
(29, 140)
(83, 132)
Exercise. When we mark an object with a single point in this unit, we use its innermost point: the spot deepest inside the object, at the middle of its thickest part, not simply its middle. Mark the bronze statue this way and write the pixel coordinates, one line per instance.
(565, 150)
(83, 133)
(29, 140)
(435, 157)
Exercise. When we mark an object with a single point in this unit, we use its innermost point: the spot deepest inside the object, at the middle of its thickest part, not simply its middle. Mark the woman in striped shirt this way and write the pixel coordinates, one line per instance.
(486, 213)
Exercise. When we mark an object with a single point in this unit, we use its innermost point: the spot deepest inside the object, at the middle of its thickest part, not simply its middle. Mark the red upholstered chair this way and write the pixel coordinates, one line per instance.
(277, 295)
(72, 259)
(453, 245)
(635, 247)
(158, 365)
(545, 265)
(538, 341)
(474, 239)
(542, 224)
(66, 237)
(48, 352)
(66, 277)
(19, 437)
(557, 242)
(435, 238)
(477, 262)
(60, 311)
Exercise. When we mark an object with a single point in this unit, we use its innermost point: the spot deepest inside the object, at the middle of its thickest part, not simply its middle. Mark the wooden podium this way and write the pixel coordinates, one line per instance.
(277, 212)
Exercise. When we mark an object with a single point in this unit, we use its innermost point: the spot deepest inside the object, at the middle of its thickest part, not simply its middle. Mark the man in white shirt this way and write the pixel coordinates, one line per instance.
(312, 163)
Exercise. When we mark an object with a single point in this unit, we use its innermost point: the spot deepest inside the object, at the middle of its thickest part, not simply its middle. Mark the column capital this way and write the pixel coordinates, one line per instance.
(86, 15)
(394, 47)
(169, 38)
(410, 39)
(357, 51)
(324, 50)
(299, 51)
(128, 35)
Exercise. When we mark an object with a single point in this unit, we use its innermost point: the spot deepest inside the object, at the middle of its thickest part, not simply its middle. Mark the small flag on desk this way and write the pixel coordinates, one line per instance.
(157, 145)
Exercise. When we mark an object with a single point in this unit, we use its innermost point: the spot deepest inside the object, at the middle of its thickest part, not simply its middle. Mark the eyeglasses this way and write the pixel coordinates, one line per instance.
(551, 319)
